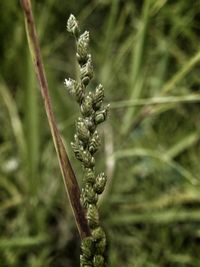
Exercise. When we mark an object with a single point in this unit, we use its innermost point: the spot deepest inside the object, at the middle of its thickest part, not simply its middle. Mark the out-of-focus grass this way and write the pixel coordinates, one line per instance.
(146, 54)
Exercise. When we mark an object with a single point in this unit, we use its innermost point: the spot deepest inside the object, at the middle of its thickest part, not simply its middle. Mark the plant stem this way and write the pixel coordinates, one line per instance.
(192, 98)
(71, 184)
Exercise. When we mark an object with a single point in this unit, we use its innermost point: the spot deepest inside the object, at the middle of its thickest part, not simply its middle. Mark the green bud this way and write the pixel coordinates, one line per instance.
(83, 155)
(88, 160)
(100, 183)
(98, 97)
(87, 71)
(83, 201)
(94, 143)
(84, 262)
(79, 92)
(90, 195)
(89, 176)
(86, 106)
(90, 124)
(101, 115)
(98, 261)
(87, 247)
(100, 246)
(93, 216)
(77, 148)
(82, 48)
(98, 234)
(75, 89)
(82, 132)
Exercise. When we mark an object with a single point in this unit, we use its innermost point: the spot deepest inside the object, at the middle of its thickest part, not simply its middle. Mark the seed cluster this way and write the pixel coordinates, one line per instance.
(85, 145)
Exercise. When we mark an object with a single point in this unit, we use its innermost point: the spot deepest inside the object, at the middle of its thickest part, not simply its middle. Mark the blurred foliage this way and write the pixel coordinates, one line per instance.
(151, 209)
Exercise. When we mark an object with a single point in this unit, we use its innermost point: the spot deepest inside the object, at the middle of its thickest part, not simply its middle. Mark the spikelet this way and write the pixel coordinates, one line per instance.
(82, 48)
(100, 183)
(72, 25)
(98, 261)
(87, 71)
(101, 115)
(94, 143)
(87, 247)
(98, 97)
(82, 132)
(89, 176)
(86, 106)
(93, 216)
(90, 195)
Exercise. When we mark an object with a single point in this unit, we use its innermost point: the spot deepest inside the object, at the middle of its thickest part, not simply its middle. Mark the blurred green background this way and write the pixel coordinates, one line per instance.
(151, 208)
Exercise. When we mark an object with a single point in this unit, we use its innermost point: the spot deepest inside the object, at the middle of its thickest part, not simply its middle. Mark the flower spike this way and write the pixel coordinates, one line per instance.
(86, 144)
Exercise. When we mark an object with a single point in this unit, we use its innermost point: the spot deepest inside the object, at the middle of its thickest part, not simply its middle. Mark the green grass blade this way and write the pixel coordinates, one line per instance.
(141, 152)
(15, 120)
(136, 75)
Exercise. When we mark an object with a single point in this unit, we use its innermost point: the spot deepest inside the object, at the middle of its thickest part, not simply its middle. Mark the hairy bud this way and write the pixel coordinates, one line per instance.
(72, 25)
(94, 143)
(98, 97)
(82, 48)
(101, 115)
(93, 216)
(87, 71)
(86, 106)
(100, 183)
(82, 132)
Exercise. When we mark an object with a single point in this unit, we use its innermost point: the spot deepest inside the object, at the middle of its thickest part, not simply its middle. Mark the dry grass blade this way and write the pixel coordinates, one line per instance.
(69, 178)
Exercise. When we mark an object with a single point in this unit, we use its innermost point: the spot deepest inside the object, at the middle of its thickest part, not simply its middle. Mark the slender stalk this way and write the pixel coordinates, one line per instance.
(170, 85)
(192, 98)
(136, 74)
(31, 128)
(69, 178)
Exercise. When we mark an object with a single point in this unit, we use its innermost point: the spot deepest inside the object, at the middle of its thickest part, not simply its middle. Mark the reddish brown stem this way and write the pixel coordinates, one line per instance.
(69, 178)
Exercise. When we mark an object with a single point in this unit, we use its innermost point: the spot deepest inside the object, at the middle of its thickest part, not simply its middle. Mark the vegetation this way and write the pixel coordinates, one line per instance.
(146, 54)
